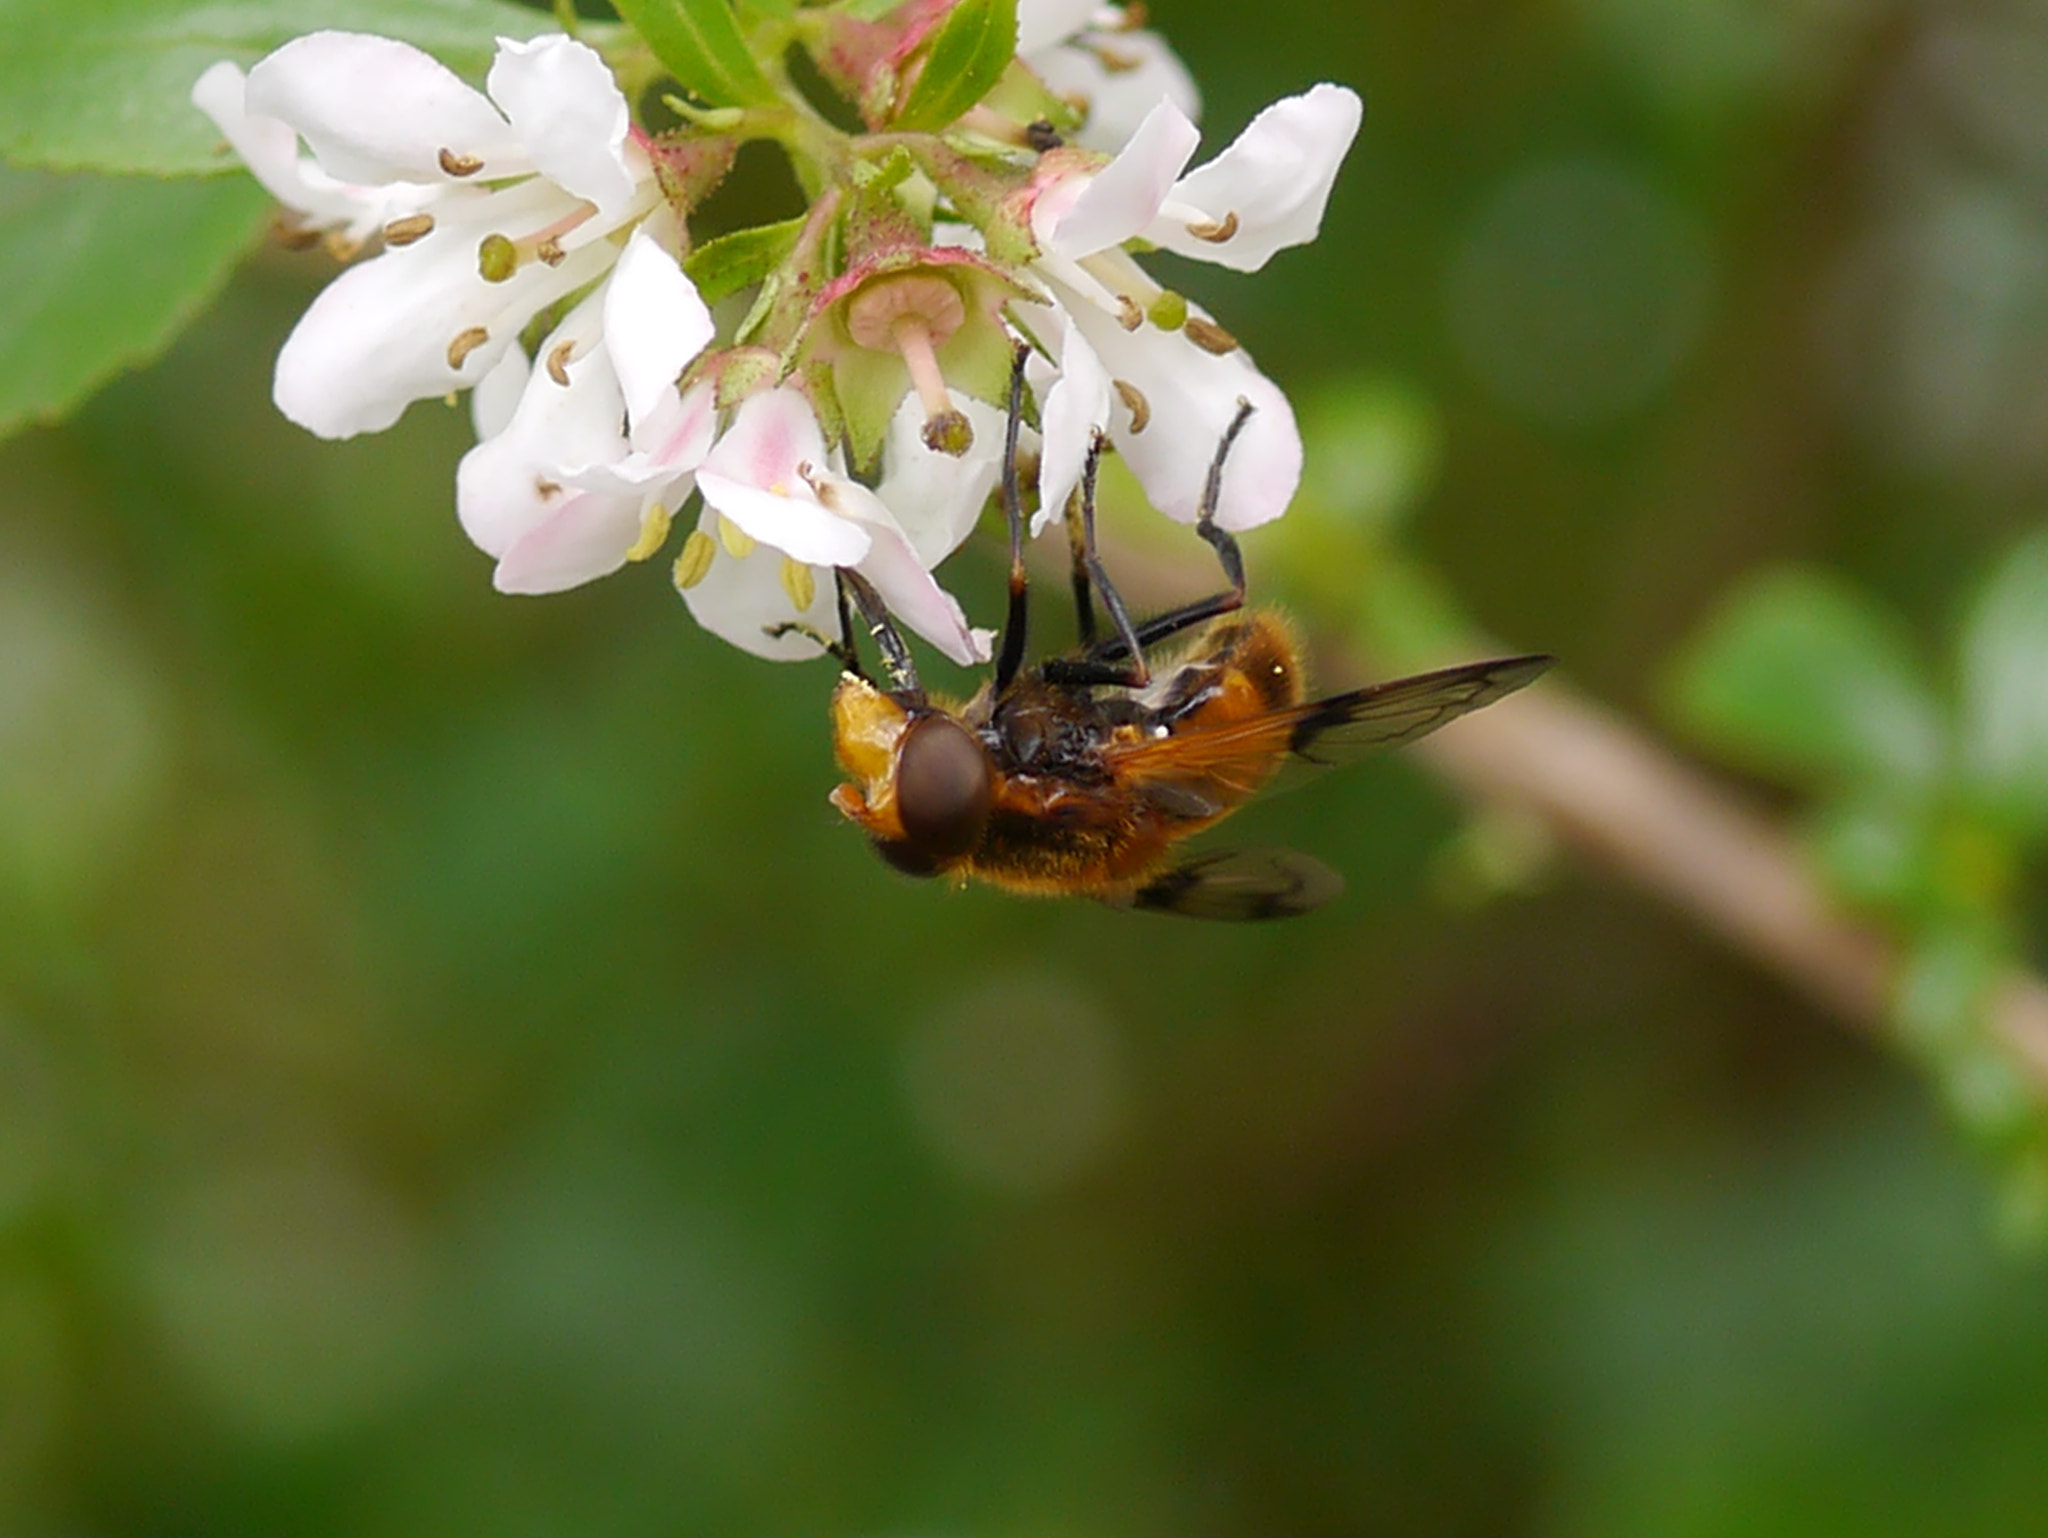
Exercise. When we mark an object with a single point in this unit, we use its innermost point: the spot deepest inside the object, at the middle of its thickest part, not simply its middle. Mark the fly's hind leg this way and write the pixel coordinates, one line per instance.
(1229, 601)
(1121, 661)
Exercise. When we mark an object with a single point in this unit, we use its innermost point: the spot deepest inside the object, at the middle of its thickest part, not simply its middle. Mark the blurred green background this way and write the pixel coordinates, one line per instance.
(458, 1076)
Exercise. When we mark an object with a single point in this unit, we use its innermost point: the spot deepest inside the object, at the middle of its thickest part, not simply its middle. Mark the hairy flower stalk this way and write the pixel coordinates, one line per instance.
(826, 392)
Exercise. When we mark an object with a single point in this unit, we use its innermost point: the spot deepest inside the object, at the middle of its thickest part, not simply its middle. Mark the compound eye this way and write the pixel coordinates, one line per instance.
(944, 789)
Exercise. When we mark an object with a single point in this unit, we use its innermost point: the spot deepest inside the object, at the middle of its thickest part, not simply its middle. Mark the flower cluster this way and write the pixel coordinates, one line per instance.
(842, 409)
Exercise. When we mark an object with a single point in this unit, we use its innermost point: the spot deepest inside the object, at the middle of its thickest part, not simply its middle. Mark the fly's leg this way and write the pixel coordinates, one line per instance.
(1187, 616)
(896, 658)
(1011, 658)
(1099, 665)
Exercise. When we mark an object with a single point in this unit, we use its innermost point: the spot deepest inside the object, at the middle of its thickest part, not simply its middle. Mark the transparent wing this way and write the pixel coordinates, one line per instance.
(1348, 726)
(1221, 765)
(1240, 885)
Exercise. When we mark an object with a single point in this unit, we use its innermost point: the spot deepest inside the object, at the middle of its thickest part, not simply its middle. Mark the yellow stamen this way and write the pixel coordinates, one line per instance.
(654, 526)
(459, 165)
(693, 560)
(799, 582)
(739, 544)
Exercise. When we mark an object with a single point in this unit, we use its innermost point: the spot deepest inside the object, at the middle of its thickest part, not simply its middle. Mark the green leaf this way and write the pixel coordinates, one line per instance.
(743, 258)
(105, 85)
(98, 273)
(700, 43)
(1801, 674)
(2003, 660)
(965, 59)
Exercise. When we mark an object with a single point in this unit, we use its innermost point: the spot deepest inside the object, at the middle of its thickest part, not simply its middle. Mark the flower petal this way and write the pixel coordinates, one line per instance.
(567, 112)
(900, 576)
(936, 499)
(496, 397)
(1147, 72)
(797, 525)
(739, 597)
(1275, 179)
(510, 484)
(585, 537)
(654, 324)
(376, 110)
(1193, 396)
(1076, 406)
(1121, 199)
(379, 336)
(1041, 23)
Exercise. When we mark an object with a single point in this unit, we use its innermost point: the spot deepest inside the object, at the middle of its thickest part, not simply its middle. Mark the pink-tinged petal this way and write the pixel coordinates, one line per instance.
(1121, 199)
(566, 109)
(901, 577)
(1275, 178)
(1147, 73)
(936, 498)
(797, 525)
(376, 110)
(771, 436)
(1075, 407)
(586, 537)
(1041, 23)
(378, 337)
(678, 433)
(654, 323)
(739, 598)
(1193, 396)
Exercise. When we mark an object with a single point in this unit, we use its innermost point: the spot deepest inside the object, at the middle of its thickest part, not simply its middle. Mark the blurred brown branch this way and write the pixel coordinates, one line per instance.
(1608, 789)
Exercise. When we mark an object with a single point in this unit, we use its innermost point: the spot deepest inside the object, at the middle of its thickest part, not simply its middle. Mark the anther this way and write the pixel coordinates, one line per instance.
(739, 544)
(558, 362)
(1135, 403)
(459, 165)
(1209, 336)
(1128, 315)
(403, 232)
(550, 251)
(465, 343)
(693, 560)
(799, 582)
(1215, 231)
(654, 526)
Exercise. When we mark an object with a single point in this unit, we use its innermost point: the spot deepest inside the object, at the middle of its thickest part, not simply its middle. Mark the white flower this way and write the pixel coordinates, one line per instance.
(1266, 192)
(1177, 390)
(270, 149)
(1088, 52)
(557, 491)
(503, 205)
(781, 516)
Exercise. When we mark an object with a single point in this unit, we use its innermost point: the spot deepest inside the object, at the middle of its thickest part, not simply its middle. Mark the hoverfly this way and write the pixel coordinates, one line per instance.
(1082, 774)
